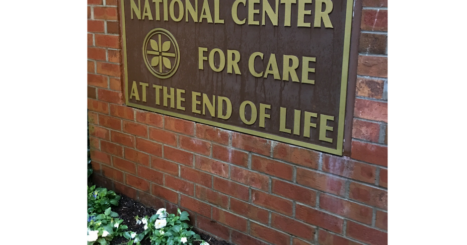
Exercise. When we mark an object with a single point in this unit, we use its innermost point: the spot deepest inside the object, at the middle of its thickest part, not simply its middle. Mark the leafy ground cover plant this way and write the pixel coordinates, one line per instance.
(100, 199)
(164, 228)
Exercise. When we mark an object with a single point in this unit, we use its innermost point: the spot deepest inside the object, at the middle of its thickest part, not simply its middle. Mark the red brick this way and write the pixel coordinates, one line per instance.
(122, 112)
(111, 2)
(95, 26)
(213, 197)
(97, 80)
(92, 117)
(107, 41)
(366, 234)
(250, 211)
(326, 238)
(230, 155)
(163, 136)
(135, 129)
(102, 181)
(375, 3)
(94, 2)
(229, 219)
(374, 20)
(164, 166)
(125, 190)
(371, 43)
(242, 239)
(151, 175)
(369, 195)
(138, 183)
(318, 218)
(346, 167)
(124, 165)
(269, 235)
(179, 156)
(94, 143)
(272, 202)
(251, 143)
(110, 96)
(180, 185)
(371, 153)
(195, 145)
(110, 122)
(90, 39)
(136, 156)
(165, 193)
(105, 13)
(196, 176)
(149, 147)
(112, 148)
(364, 130)
(232, 189)
(371, 88)
(96, 53)
(89, 12)
(323, 182)
(149, 118)
(371, 110)
(345, 208)
(383, 177)
(100, 156)
(297, 241)
(212, 134)
(115, 84)
(252, 179)
(375, 66)
(98, 106)
(96, 167)
(213, 227)
(195, 205)
(212, 166)
(113, 28)
(149, 200)
(272, 167)
(98, 132)
(297, 155)
(381, 220)
(112, 173)
(292, 226)
(91, 66)
(294, 192)
(114, 56)
(179, 125)
(92, 93)
(108, 69)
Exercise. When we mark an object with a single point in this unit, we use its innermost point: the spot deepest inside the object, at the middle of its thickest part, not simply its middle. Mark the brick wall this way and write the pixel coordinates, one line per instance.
(244, 189)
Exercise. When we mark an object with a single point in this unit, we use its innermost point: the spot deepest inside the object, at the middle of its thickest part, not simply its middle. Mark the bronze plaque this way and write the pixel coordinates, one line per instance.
(276, 69)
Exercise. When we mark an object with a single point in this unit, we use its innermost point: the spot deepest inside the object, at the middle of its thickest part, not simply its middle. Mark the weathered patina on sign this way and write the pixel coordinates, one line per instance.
(272, 68)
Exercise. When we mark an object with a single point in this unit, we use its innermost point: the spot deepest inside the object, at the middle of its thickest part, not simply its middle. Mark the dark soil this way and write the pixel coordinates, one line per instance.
(128, 209)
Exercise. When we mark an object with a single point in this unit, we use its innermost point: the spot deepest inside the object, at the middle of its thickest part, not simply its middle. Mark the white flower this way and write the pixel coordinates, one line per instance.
(92, 236)
(136, 240)
(105, 233)
(183, 239)
(116, 225)
(138, 221)
(161, 232)
(162, 213)
(160, 223)
(204, 243)
(145, 227)
(133, 234)
(144, 220)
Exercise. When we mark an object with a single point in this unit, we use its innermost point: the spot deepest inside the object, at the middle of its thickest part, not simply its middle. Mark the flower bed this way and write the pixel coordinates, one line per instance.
(116, 220)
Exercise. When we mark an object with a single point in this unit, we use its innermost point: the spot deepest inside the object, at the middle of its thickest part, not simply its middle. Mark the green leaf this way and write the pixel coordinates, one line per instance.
(102, 241)
(126, 235)
(107, 211)
(184, 216)
(176, 228)
(123, 227)
(114, 202)
(113, 214)
(130, 242)
(153, 218)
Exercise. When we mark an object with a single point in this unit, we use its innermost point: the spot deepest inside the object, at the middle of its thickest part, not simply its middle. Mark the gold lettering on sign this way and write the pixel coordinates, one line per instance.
(201, 57)
(306, 69)
(232, 63)
(323, 15)
(220, 106)
(234, 12)
(251, 64)
(180, 99)
(195, 102)
(296, 122)
(135, 9)
(323, 127)
(157, 7)
(180, 10)
(263, 115)
(254, 112)
(272, 14)
(170, 96)
(302, 12)
(210, 105)
(290, 70)
(217, 19)
(205, 12)
(288, 10)
(192, 11)
(307, 124)
(143, 88)
(134, 91)
(272, 68)
(158, 90)
(251, 12)
(147, 11)
(283, 120)
(221, 60)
